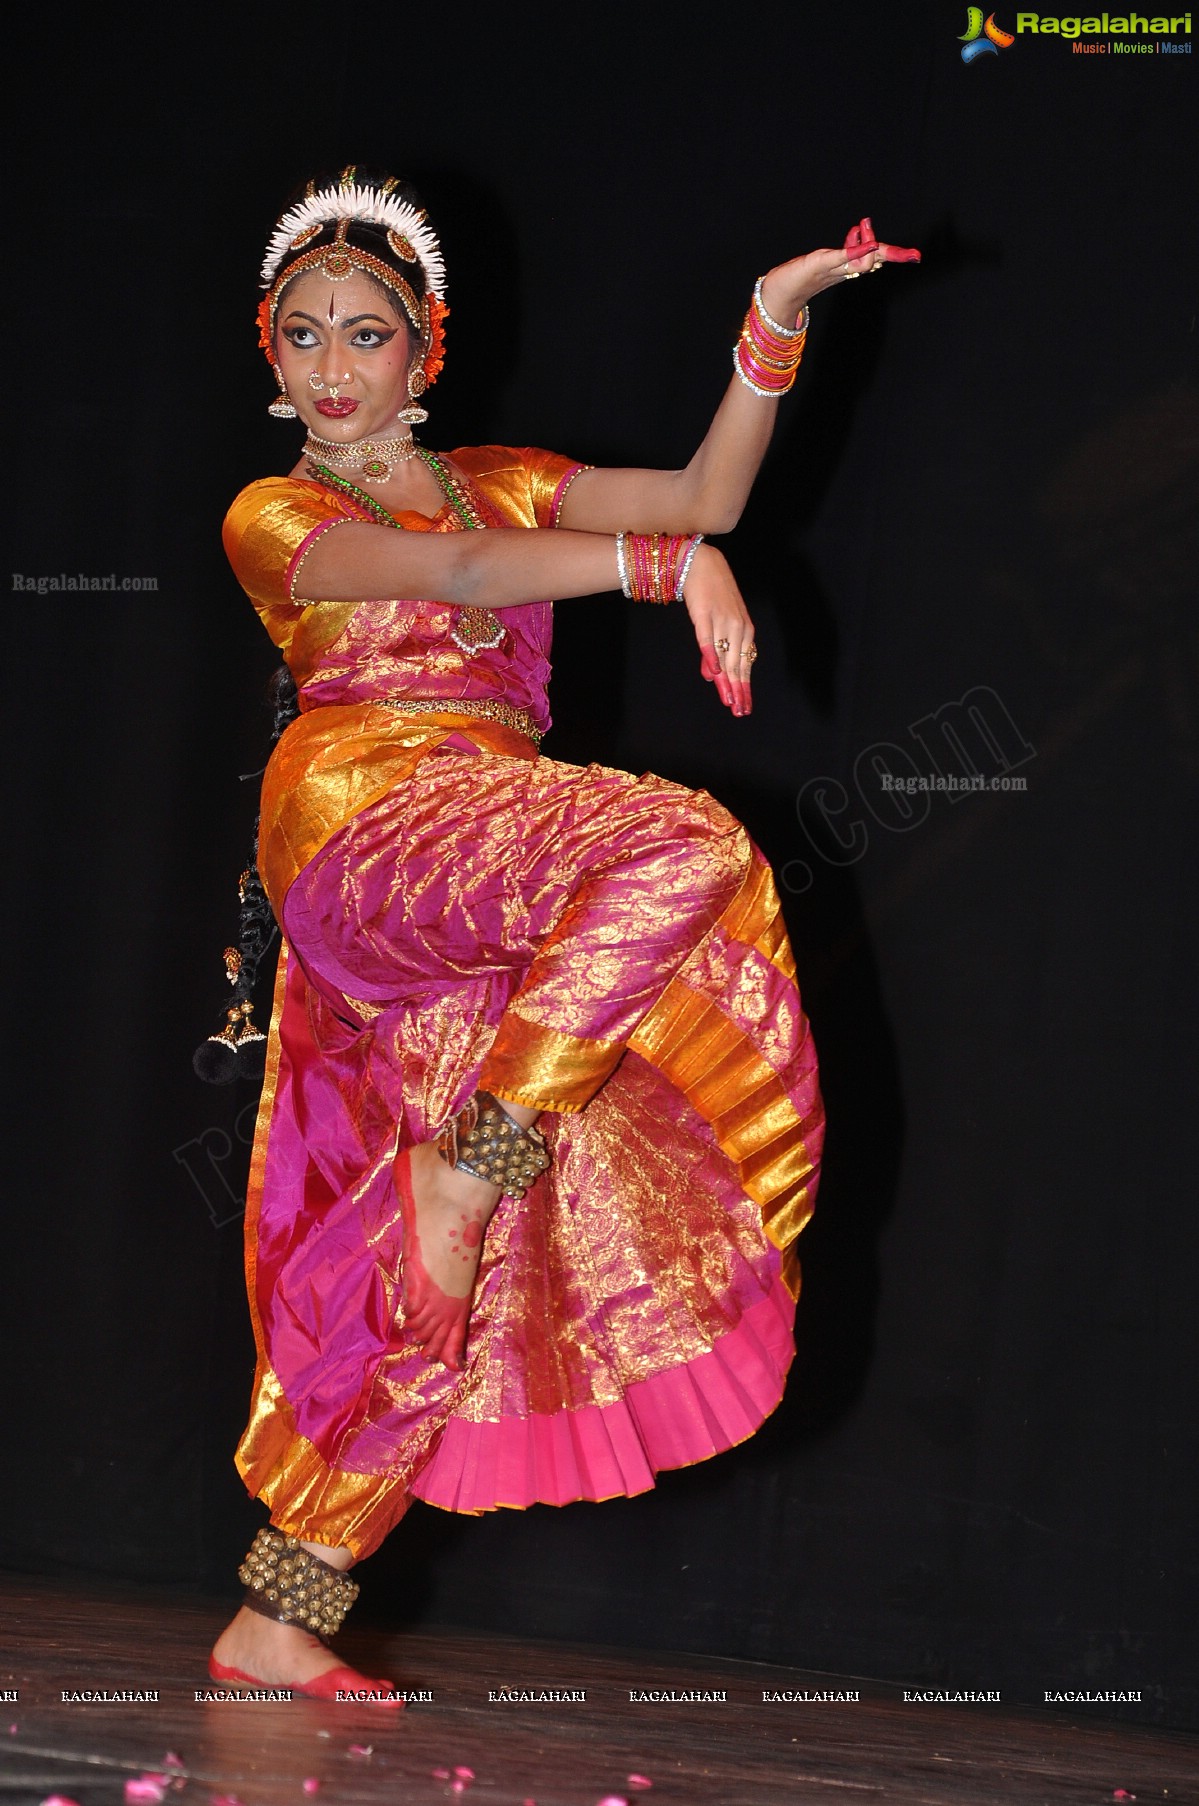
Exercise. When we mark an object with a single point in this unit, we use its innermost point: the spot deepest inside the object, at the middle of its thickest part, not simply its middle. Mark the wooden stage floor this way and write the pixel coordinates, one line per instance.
(737, 1750)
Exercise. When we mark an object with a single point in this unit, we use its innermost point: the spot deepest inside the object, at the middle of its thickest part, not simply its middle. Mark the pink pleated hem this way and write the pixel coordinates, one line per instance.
(673, 1419)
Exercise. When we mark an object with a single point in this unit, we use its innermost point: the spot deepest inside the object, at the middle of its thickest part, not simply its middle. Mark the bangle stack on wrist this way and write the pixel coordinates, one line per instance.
(767, 355)
(654, 566)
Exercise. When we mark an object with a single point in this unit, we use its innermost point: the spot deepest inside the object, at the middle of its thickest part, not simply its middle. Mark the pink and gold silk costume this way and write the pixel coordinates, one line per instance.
(458, 912)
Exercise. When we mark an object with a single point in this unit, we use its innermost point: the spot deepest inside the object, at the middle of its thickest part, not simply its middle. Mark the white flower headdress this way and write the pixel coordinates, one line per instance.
(358, 204)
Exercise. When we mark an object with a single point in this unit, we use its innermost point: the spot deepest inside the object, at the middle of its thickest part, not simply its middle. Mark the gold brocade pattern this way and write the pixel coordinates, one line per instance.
(605, 948)
(307, 1497)
(520, 485)
(628, 1290)
(545, 1069)
(333, 763)
(728, 1081)
(263, 531)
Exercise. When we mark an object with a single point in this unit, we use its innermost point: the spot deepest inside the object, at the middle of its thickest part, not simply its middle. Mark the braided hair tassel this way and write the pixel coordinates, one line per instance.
(239, 1049)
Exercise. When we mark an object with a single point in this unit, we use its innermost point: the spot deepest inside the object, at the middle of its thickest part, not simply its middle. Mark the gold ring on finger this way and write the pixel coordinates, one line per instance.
(721, 645)
(750, 654)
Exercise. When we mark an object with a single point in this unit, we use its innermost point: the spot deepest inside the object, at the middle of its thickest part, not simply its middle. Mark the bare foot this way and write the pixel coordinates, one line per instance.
(446, 1212)
(279, 1655)
(453, 1209)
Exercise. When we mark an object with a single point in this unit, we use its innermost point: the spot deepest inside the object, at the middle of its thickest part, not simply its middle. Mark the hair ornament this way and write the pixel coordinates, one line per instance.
(435, 356)
(353, 202)
(264, 317)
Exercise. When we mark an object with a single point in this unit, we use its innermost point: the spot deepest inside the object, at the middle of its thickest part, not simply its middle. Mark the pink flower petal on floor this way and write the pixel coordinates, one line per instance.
(612, 1799)
(638, 1781)
(223, 1799)
(144, 1790)
(171, 1760)
(58, 1799)
(464, 1774)
(311, 1785)
(12, 1730)
(441, 1774)
(362, 1749)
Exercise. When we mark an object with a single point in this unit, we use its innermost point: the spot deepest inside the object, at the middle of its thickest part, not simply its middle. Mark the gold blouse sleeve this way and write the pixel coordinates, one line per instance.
(270, 528)
(526, 485)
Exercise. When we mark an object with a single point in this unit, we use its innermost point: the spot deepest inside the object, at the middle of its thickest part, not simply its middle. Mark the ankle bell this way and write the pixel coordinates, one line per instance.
(286, 1582)
(485, 1141)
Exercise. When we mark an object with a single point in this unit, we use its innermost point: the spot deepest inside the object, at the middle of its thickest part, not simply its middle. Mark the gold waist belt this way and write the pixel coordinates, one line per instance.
(503, 712)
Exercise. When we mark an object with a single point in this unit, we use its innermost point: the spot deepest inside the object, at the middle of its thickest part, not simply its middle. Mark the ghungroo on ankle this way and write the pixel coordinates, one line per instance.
(288, 1583)
(485, 1141)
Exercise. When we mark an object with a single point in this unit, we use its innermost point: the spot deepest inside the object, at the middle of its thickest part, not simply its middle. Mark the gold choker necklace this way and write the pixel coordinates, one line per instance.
(373, 459)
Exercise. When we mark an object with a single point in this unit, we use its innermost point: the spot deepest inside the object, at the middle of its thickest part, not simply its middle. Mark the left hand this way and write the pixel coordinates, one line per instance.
(723, 629)
(788, 288)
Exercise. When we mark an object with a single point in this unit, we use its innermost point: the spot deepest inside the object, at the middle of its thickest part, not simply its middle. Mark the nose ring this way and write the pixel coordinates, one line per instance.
(316, 382)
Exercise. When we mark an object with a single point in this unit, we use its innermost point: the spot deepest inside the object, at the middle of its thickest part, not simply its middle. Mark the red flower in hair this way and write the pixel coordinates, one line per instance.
(435, 357)
(264, 328)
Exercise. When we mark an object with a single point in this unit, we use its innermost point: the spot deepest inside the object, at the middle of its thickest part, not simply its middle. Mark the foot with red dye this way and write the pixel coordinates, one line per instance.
(253, 1651)
(446, 1212)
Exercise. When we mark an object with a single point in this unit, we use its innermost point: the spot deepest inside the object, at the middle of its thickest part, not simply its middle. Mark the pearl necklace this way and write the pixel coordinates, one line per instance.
(373, 459)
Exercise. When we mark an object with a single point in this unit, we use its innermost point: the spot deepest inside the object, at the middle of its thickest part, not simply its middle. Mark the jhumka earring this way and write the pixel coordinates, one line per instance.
(281, 408)
(412, 415)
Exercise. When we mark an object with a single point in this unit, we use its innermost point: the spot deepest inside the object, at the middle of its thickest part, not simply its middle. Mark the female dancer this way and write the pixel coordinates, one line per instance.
(540, 1121)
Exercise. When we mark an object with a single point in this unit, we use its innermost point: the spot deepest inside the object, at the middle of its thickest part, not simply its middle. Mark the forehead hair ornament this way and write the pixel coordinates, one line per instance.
(358, 205)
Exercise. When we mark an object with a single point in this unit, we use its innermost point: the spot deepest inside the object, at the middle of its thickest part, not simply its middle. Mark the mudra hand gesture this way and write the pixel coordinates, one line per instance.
(765, 360)
(788, 288)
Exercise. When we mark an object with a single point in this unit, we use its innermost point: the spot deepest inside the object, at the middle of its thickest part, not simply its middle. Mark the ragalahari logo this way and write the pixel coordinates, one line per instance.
(983, 37)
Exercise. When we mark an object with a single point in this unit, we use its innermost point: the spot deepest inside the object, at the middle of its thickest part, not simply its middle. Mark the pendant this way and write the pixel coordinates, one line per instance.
(477, 630)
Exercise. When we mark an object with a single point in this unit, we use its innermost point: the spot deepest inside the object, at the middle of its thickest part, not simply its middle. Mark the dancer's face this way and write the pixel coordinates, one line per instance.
(350, 337)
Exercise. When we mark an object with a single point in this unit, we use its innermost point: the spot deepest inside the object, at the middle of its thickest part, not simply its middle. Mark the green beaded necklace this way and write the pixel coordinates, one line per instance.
(473, 629)
(455, 492)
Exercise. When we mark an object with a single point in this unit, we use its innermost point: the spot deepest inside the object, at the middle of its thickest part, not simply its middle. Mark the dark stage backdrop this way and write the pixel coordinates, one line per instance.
(972, 551)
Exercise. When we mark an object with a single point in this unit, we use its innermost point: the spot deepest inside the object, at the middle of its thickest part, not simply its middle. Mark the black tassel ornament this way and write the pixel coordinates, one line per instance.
(238, 1051)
